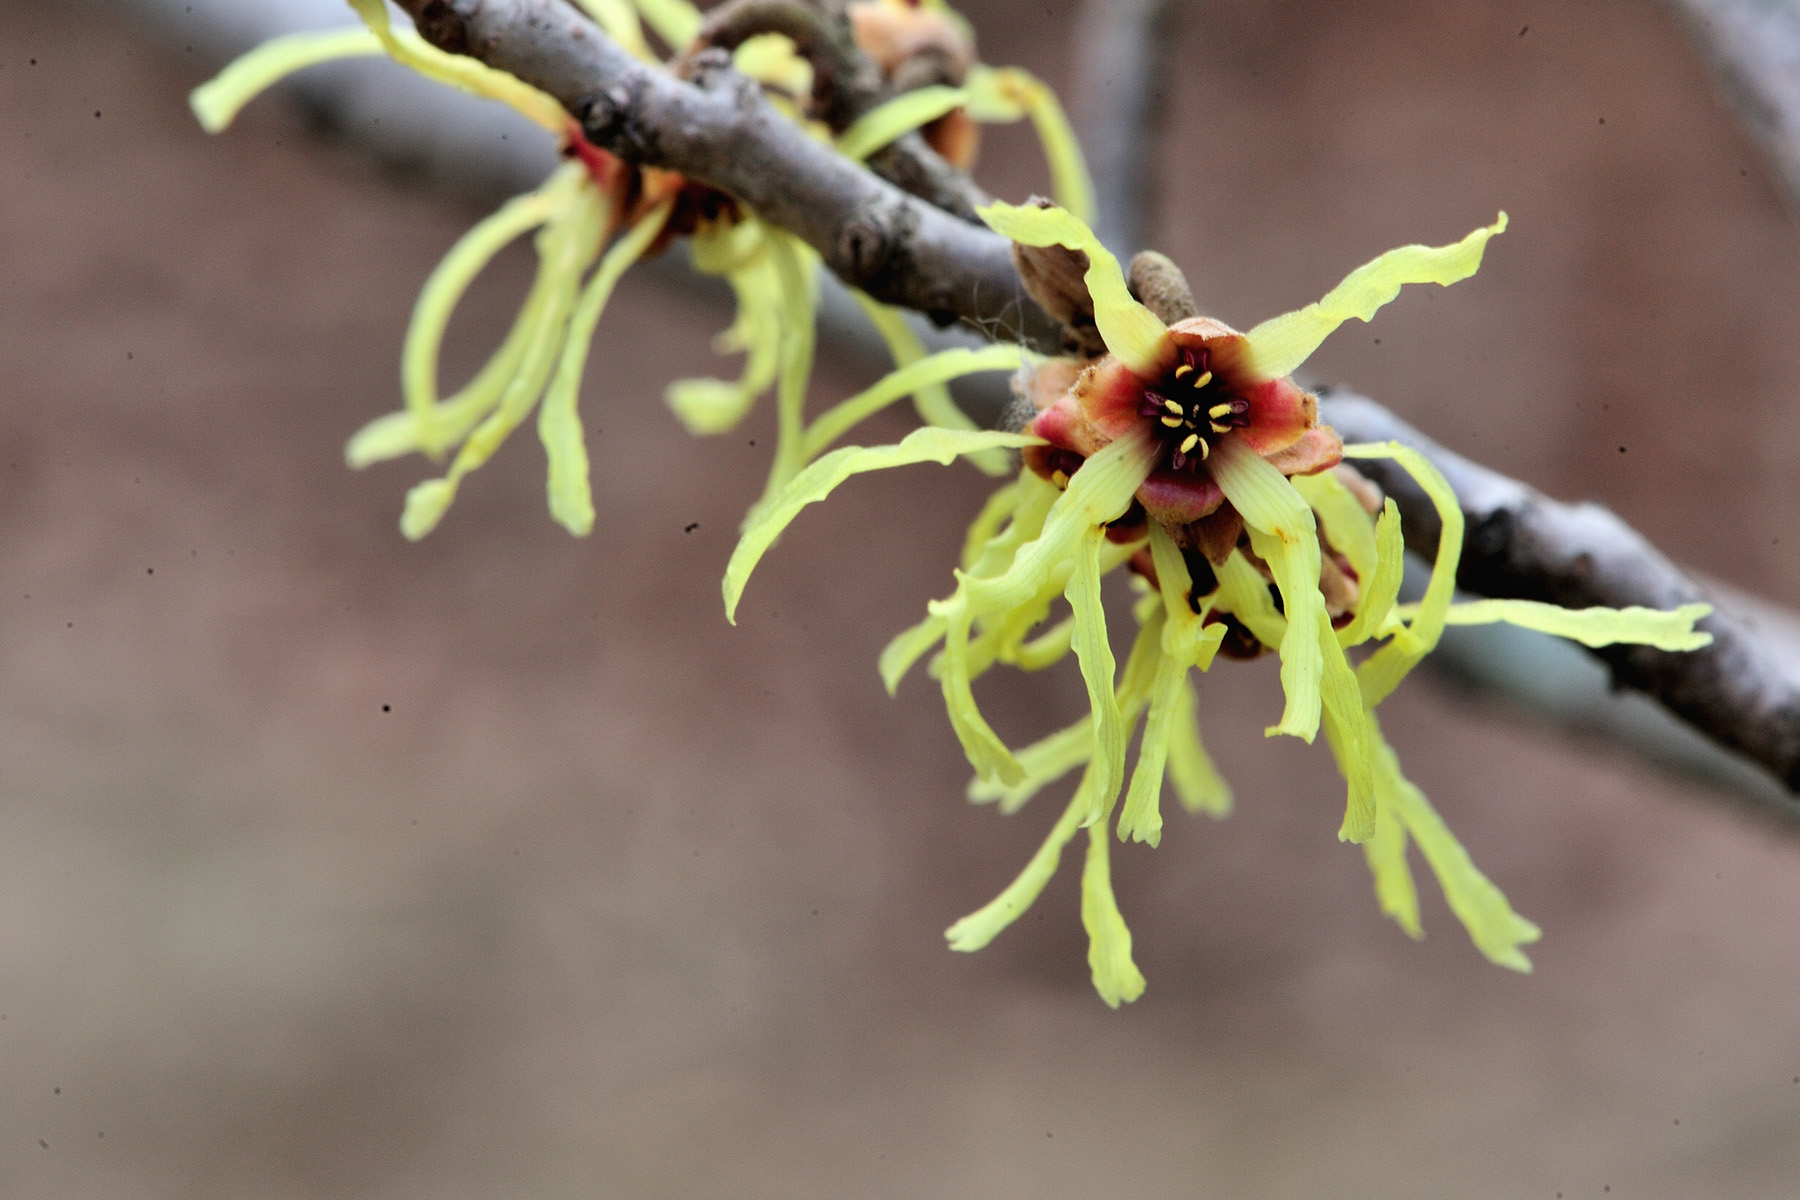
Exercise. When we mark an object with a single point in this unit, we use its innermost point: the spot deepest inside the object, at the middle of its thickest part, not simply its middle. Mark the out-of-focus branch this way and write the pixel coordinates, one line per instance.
(718, 129)
(1743, 691)
(1120, 55)
(1754, 47)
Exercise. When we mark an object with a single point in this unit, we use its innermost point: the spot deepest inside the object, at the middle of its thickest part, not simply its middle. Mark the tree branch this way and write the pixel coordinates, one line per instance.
(718, 130)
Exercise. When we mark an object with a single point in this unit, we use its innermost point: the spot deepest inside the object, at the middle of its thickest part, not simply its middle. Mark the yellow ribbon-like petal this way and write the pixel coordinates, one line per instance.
(1280, 344)
(1493, 926)
(461, 72)
(1198, 785)
(984, 924)
(1116, 977)
(934, 369)
(566, 245)
(1380, 589)
(217, 102)
(1347, 525)
(932, 402)
(1131, 331)
(1094, 653)
(559, 417)
(450, 280)
(1004, 94)
(1382, 672)
(895, 118)
(1049, 759)
(821, 478)
(1284, 535)
(1666, 630)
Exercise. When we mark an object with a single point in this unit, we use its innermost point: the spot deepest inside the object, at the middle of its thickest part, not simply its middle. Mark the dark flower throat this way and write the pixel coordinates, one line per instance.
(1192, 409)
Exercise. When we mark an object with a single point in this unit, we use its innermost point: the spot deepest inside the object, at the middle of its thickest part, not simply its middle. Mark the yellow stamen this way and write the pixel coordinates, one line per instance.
(1183, 369)
(1172, 422)
(1172, 407)
(1203, 380)
(1189, 442)
(1218, 410)
(1218, 428)
(1205, 450)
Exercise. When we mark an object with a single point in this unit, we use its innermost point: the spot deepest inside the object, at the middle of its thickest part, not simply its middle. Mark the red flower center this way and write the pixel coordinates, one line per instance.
(1192, 409)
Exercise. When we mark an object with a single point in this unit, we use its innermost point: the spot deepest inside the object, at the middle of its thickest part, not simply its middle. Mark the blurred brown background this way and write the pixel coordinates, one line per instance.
(501, 866)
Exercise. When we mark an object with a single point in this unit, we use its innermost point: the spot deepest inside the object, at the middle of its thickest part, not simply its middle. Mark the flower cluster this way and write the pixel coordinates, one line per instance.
(1181, 452)
(1188, 455)
(596, 216)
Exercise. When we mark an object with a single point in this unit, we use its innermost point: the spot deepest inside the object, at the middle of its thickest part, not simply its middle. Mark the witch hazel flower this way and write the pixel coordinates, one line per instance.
(1186, 452)
(1181, 450)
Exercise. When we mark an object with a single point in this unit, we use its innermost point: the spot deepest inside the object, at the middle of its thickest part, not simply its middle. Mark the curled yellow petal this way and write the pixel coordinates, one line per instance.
(907, 648)
(1382, 672)
(984, 924)
(1045, 650)
(1141, 817)
(1353, 742)
(1000, 94)
(566, 245)
(981, 745)
(712, 406)
(1396, 892)
(1283, 533)
(937, 368)
(459, 71)
(1095, 655)
(449, 422)
(795, 268)
(1131, 331)
(1381, 588)
(1116, 977)
(821, 478)
(1050, 758)
(217, 102)
(897, 117)
(1280, 344)
(450, 279)
(1493, 926)
(1198, 785)
(559, 417)
(998, 509)
(1346, 524)
(1099, 491)
(932, 402)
